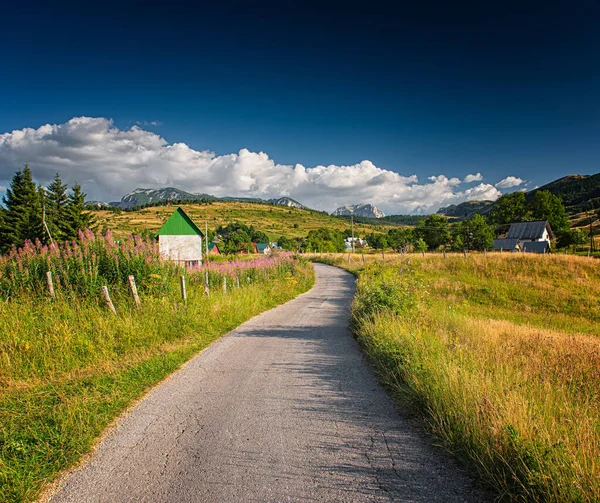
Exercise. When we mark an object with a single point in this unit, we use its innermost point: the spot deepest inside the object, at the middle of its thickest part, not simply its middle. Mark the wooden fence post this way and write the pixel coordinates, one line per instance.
(382, 254)
(50, 285)
(183, 290)
(109, 303)
(134, 292)
(444, 253)
(225, 284)
(465, 253)
(348, 258)
(423, 253)
(485, 252)
(237, 280)
(206, 287)
(363, 257)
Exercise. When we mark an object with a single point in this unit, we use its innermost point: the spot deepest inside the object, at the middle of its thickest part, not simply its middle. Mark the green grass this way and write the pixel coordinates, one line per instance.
(500, 356)
(69, 368)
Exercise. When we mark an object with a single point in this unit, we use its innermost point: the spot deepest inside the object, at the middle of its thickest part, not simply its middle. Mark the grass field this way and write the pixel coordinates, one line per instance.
(274, 220)
(68, 367)
(501, 355)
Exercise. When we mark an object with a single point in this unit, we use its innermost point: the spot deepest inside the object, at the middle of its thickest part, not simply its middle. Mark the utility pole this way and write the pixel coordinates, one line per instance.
(468, 238)
(206, 239)
(352, 220)
(44, 215)
(591, 236)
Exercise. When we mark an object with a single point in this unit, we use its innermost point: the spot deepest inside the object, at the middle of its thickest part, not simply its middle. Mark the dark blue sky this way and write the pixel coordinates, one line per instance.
(505, 88)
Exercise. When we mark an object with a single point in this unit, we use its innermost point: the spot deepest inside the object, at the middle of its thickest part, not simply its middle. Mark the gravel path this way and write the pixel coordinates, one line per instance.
(282, 409)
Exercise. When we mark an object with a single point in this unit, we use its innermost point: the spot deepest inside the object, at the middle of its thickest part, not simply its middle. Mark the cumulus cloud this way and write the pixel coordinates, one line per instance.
(509, 182)
(473, 178)
(108, 162)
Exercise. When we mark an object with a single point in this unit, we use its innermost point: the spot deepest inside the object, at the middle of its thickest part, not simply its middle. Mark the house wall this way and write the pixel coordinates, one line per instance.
(181, 248)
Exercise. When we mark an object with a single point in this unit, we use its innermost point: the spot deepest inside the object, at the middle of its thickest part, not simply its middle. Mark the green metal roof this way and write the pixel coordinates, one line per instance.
(179, 224)
(261, 246)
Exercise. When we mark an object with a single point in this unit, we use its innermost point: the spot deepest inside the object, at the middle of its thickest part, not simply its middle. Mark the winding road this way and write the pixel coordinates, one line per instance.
(282, 409)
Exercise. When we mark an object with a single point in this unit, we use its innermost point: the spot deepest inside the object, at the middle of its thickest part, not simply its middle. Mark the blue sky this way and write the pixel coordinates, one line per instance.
(502, 90)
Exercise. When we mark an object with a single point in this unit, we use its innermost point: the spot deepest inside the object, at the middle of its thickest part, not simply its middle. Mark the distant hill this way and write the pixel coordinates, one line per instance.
(578, 192)
(359, 210)
(275, 220)
(466, 209)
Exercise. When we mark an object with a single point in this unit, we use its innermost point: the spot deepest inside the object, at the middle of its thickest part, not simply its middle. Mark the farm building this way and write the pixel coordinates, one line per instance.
(247, 248)
(180, 239)
(213, 248)
(533, 237)
(263, 248)
(511, 245)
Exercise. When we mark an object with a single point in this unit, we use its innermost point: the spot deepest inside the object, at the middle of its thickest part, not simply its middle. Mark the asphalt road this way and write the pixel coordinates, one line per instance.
(282, 409)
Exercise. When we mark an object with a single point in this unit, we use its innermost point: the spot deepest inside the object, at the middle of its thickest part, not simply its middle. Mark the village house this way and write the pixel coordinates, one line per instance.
(213, 248)
(358, 243)
(528, 237)
(180, 239)
(263, 248)
(247, 248)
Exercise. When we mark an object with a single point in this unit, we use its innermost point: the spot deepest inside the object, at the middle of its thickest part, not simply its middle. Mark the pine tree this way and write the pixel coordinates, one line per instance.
(23, 215)
(57, 212)
(77, 216)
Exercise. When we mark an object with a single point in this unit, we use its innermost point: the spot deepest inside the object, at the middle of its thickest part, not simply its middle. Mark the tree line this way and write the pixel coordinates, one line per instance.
(33, 212)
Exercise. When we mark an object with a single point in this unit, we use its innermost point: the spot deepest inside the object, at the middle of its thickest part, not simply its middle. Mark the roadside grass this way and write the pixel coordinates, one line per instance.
(68, 368)
(500, 354)
(276, 221)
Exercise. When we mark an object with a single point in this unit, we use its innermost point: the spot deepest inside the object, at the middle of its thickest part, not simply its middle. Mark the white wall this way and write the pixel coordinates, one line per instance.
(181, 248)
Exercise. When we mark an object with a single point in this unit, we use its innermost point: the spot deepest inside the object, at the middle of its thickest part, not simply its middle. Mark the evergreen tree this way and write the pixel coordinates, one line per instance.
(57, 211)
(23, 214)
(78, 218)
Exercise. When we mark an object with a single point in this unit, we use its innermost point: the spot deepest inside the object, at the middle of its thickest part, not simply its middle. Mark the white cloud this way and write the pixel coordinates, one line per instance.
(109, 162)
(509, 182)
(473, 178)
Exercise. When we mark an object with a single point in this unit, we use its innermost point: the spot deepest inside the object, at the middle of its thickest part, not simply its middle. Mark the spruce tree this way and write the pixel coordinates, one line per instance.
(77, 216)
(23, 215)
(57, 211)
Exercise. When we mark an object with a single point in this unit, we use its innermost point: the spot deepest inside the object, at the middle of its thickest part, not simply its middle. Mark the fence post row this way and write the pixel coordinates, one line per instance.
(109, 303)
(183, 290)
(50, 285)
(134, 292)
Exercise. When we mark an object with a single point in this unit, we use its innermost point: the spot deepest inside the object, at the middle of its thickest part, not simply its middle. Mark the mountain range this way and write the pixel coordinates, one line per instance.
(142, 197)
(359, 210)
(578, 192)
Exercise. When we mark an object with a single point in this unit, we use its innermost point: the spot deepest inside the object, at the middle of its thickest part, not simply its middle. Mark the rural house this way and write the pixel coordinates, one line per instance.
(263, 248)
(532, 237)
(213, 248)
(180, 239)
(247, 248)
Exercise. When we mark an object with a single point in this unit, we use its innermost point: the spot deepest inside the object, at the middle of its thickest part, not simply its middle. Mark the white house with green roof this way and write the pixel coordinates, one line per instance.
(180, 239)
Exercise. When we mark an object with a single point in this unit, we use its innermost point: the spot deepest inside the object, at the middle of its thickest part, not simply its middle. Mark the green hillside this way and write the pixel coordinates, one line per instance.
(578, 192)
(274, 220)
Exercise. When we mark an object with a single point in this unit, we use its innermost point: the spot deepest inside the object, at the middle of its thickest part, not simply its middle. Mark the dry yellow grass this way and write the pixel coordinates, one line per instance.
(502, 354)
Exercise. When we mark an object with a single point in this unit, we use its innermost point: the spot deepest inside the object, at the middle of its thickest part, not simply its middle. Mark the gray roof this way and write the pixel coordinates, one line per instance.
(535, 246)
(505, 244)
(529, 230)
